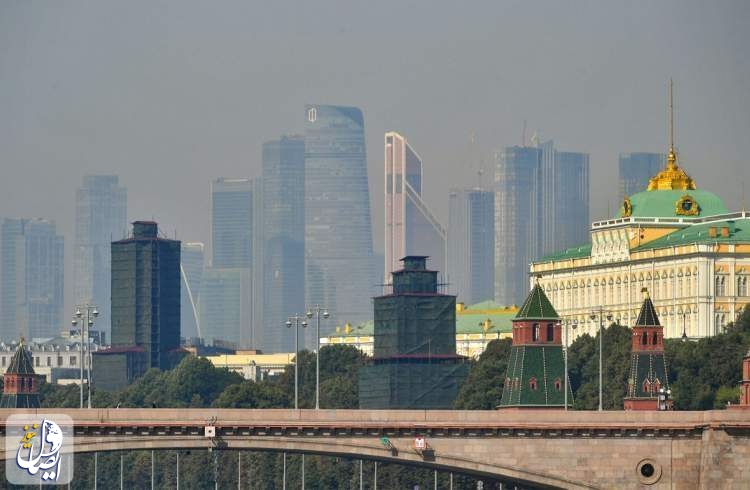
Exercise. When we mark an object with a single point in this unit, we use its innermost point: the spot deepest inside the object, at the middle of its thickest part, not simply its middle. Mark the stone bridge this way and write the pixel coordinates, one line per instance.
(542, 448)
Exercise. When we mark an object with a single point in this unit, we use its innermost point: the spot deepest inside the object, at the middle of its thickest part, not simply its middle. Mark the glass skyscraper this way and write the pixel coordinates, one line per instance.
(471, 245)
(338, 230)
(635, 170)
(571, 204)
(32, 279)
(410, 226)
(517, 220)
(101, 218)
(231, 223)
(541, 205)
(284, 240)
(191, 273)
(236, 266)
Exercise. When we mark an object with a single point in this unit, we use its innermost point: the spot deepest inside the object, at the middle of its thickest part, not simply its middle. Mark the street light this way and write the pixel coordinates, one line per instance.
(574, 325)
(601, 314)
(295, 320)
(663, 399)
(316, 310)
(84, 314)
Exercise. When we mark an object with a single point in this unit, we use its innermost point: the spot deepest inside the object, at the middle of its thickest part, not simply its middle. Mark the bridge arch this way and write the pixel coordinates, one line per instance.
(354, 448)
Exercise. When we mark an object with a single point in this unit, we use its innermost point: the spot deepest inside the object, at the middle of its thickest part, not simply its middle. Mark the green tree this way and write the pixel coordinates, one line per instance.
(483, 388)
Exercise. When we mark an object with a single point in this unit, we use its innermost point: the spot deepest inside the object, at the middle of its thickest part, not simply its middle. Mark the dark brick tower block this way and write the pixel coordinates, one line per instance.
(415, 365)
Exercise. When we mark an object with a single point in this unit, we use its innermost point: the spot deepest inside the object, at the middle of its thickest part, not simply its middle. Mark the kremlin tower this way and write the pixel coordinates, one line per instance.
(536, 373)
(648, 368)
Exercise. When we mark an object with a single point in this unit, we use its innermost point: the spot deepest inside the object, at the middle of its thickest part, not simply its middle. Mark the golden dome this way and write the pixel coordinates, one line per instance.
(672, 177)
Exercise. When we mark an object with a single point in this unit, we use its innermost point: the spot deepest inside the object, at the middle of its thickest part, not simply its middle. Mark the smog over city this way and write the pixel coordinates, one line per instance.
(374, 206)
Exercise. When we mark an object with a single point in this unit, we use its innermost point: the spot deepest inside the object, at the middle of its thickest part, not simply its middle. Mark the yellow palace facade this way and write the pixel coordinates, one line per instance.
(681, 243)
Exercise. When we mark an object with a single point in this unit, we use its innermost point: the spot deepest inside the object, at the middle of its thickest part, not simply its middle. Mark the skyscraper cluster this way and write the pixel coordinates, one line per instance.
(32, 265)
(298, 235)
(541, 205)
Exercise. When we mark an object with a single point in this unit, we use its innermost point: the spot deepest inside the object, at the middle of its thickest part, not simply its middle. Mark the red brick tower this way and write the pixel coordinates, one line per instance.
(20, 383)
(648, 368)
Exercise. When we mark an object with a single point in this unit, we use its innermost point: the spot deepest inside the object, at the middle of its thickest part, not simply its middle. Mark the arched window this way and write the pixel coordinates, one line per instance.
(535, 332)
(655, 339)
(655, 386)
(646, 386)
(644, 339)
(550, 332)
(742, 286)
(532, 384)
(558, 384)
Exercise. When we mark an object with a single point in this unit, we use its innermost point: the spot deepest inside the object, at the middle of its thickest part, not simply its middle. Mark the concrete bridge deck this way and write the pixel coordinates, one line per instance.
(574, 449)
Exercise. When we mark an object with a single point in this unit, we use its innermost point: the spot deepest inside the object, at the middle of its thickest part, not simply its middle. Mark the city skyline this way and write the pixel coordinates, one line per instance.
(193, 97)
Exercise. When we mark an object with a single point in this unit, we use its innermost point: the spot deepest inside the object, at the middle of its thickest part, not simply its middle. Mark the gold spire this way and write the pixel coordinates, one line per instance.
(672, 177)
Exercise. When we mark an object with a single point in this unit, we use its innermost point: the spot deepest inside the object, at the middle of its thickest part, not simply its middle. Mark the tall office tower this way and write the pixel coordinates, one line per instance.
(563, 188)
(284, 240)
(191, 272)
(145, 308)
(338, 230)
(231, 223)
(571, 204)
(32, 279)
(517, 220)
(410, 227)
(101, 218)
(226, 307)
(635, 170)
(236, 231)
(471, 245)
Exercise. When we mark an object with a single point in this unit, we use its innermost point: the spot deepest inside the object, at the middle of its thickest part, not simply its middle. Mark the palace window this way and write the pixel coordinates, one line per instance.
(742, 286)
(721, 285)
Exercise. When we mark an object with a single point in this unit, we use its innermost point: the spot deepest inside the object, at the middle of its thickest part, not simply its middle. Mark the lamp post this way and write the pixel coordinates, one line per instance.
(663, 399)
(295, 320)
(684, 333)
(84, 314)
(316, 311)
(601, 314)
(566, 324)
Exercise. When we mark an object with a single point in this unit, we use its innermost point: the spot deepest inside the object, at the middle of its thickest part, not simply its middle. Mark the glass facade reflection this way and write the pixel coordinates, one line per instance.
(338, 230)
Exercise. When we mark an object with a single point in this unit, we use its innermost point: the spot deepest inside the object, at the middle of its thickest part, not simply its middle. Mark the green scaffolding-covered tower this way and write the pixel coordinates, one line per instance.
(414, 364)
(536, 374)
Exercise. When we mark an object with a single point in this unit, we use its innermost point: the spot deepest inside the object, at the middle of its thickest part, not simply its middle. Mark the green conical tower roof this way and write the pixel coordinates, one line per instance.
(21, 363)
(647, 317)
(537, 306)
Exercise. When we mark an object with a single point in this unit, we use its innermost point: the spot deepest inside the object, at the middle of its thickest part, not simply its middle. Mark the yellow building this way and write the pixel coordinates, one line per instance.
(680, 242)
(251, 365)
(476, 326)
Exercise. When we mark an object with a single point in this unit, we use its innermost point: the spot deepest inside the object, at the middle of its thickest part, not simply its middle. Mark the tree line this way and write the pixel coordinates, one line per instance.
(703, 374)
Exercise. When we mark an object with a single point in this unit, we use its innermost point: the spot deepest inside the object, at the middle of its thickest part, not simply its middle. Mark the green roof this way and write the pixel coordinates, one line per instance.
(739, 232)
(647, 317)
(472, 318)
(569, 253)
(537, 306)
(662, 204)
(535, 377)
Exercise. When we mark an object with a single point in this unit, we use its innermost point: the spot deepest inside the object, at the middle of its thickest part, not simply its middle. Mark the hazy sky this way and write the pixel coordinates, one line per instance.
(169, 95)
